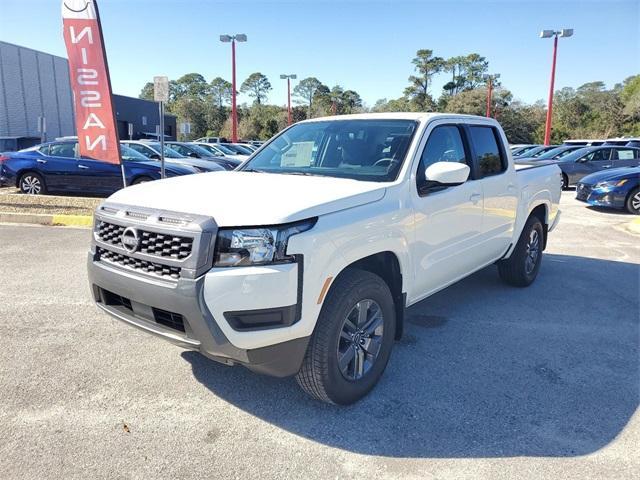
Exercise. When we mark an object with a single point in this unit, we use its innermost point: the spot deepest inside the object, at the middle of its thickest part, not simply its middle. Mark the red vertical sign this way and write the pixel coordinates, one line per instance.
(95, 117)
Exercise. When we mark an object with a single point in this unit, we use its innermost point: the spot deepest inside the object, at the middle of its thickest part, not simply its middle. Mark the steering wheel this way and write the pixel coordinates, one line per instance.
(383, 161)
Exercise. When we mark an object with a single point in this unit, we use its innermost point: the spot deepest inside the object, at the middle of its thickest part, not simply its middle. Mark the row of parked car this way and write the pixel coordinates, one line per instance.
(606, 173)
(55, 167)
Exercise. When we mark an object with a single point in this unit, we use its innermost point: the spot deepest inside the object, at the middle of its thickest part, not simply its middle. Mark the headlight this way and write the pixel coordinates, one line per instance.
(236, 247)
(610, 185)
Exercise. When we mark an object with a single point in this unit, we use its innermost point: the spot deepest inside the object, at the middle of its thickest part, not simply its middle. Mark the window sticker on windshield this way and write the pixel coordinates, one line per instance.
(299, 155)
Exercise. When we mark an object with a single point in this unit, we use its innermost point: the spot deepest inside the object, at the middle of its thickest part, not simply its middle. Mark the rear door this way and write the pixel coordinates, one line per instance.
(624, 157)
(499, 189)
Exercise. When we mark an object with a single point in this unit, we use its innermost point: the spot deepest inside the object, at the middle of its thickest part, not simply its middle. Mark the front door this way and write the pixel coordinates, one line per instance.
(447, 221)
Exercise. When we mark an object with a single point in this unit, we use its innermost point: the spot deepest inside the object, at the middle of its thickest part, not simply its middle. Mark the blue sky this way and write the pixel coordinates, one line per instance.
(363, 45)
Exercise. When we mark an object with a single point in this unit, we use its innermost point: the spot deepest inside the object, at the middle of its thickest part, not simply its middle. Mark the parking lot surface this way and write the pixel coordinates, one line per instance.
(489, 381)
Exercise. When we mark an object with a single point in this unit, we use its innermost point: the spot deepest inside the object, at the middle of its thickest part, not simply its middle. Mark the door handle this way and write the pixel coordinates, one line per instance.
(606, 166)
(84, 167)
(41, 161)
(475, 197)
(511, 187)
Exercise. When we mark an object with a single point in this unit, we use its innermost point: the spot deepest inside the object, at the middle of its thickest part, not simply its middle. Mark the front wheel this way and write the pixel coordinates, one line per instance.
(521, 268)
(32, 183)
(140, 180)
(565, 182)
(352, 341)
(633, 202)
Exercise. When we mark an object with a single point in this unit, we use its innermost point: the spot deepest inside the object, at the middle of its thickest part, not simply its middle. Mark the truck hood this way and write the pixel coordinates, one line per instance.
(250, 198)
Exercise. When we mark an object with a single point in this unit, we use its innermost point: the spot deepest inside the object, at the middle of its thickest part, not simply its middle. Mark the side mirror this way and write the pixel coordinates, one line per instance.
(446, 174)
(193, 155)
(154, 156)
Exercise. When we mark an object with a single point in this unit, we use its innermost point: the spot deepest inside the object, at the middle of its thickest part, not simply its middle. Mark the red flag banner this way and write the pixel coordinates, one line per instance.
(95, 119)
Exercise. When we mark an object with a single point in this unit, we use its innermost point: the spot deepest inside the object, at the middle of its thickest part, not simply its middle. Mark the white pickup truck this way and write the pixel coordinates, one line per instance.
(303, 261)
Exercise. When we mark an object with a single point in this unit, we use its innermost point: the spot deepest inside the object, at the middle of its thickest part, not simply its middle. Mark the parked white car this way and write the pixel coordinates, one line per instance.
(303, 262)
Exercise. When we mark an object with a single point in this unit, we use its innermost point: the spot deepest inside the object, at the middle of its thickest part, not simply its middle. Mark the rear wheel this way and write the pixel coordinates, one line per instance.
(32, 184)
(521, 268)
(352, 341)
(565, 182)
(633, 202)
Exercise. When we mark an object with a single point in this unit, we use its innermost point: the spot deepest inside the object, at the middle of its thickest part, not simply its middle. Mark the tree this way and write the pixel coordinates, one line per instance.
(426, 66)
(256, 86)
(351, 101)
(192, 85)
(147, 91)
(221, 91)
(306, 90)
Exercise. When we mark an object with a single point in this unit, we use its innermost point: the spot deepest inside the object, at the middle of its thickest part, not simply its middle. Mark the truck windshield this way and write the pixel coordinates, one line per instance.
(369, 150)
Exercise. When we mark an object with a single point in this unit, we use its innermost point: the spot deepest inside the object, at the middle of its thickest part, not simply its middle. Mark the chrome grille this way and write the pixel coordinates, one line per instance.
(138, 264)
(151, 243)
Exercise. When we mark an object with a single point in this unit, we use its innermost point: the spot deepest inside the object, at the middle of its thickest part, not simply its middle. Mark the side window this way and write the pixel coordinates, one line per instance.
(66, 150)
(44, 149)
(137, 148)
(443, 145)
(622, 154)
(599, 155)
(489, 156)
(180, 149)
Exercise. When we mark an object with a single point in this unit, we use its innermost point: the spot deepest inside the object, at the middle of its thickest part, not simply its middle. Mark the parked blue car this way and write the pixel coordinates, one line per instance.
(616, 188)
(54, 167)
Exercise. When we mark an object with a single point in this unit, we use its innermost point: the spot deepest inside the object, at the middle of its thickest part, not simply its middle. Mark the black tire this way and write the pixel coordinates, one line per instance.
(633, 201)
(140, 180)
(32, 183)
(565, 182)
(321, 375)
(520, 269)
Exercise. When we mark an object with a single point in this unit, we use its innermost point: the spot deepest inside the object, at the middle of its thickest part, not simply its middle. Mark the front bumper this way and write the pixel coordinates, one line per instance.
(144, 303)
(600, 197)
(235, 316)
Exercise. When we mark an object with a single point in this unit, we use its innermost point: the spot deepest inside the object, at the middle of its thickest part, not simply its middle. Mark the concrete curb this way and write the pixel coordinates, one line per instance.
(47, 219)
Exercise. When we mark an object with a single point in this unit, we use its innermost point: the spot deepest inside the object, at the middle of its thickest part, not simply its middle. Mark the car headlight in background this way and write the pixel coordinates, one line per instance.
(238, 247)
(610, 185)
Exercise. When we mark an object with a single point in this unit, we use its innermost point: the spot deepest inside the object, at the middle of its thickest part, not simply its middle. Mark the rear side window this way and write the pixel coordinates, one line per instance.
(488, 153)
(623, 154)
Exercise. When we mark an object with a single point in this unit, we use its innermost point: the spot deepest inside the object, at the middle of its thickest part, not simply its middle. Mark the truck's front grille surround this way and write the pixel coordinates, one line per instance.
(163, 245)
(138, 264)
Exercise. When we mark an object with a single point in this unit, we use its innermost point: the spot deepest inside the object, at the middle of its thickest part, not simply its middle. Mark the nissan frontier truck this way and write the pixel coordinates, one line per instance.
(303, 260)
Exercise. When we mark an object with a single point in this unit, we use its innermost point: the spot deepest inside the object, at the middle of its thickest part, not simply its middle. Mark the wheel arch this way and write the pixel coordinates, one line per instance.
(24, 171)
(541, 211)
(387, 266)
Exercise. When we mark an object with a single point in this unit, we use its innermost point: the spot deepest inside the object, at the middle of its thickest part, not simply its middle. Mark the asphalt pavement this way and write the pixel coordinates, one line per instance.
(489, 381)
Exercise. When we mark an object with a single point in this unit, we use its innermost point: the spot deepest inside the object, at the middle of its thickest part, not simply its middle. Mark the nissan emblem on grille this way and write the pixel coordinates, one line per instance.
(130, 240)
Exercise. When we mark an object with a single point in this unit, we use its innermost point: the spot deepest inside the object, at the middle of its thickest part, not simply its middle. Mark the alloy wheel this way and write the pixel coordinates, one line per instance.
(31, 185)
(533, 251)
(635, 202)
(360, 339)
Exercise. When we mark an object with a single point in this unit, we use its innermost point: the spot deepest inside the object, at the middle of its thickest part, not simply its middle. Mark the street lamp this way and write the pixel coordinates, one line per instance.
(240, 37)
(565, 32)
(490, 80)
(288, 78)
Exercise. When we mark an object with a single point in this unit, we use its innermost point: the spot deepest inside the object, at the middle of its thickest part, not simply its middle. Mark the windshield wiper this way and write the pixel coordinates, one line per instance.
(253, 170)
(298, 173)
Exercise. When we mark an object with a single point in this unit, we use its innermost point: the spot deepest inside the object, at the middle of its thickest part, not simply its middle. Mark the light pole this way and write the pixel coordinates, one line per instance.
(490, 79)
(240, 37)
(291, 76)
(565, 32)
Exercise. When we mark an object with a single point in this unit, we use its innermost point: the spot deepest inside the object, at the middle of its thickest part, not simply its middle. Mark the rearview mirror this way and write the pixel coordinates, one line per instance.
(446, 174)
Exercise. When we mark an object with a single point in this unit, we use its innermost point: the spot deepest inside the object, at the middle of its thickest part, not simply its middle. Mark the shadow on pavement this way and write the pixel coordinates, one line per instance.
(484, 370)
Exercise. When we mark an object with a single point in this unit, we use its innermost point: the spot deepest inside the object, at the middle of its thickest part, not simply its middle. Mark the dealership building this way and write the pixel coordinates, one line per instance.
(35, 95)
